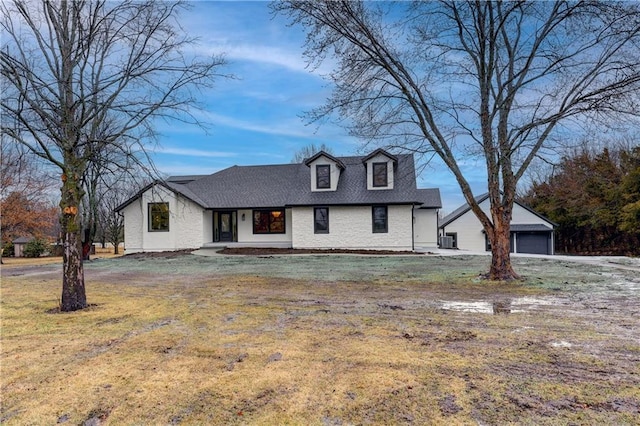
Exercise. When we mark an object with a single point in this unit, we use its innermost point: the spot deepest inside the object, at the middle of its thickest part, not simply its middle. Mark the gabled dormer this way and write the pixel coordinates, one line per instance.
(325, 171)
(380, 167)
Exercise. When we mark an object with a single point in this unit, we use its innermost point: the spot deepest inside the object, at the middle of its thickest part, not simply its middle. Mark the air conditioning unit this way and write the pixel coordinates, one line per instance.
(446, 242)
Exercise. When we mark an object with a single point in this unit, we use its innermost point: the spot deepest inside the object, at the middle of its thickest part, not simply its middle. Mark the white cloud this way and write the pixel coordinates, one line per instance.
(290, 59)
(246, 31)
(268, 55)
(288, 128)
(194, 152)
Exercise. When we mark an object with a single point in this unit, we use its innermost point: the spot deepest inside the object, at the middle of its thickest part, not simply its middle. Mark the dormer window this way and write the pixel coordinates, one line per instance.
(323, 176)
(381, 169)
(325, 172)
(380, 174)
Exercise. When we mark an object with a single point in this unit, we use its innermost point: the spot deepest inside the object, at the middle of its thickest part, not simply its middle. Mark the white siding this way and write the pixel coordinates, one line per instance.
(522, 216)
(185, 223)
(469, 229)
(207, 226)
(188, 218)
(469, 232)
(425, 228)
(133, 226)
(351, 228)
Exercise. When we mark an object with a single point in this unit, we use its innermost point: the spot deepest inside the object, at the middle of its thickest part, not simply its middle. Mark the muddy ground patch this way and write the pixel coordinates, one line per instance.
(322, 340)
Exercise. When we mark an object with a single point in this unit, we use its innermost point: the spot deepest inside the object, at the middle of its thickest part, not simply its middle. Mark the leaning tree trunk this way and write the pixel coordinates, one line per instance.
(73, 290)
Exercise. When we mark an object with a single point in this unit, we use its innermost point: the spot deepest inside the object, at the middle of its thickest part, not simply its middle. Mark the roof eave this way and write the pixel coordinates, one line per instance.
(481, 199)
(152, 184)
(383, 152)
(310, 160)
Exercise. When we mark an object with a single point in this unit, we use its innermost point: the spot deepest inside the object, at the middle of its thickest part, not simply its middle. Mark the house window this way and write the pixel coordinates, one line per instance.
(323, 176)
(380, 219)
(158, 217)
(321, 220)
(380, 174)
(487, 243)
(268, 221)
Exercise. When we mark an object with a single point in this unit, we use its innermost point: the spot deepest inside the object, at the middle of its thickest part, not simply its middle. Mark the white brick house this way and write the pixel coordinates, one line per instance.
(326, 202)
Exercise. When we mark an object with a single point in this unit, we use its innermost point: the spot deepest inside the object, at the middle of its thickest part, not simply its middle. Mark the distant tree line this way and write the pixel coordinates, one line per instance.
(595, 200)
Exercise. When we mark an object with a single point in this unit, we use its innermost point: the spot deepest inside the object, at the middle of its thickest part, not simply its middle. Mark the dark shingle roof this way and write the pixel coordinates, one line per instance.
(352, 186)
(479, 199)
(172, 186)
(249, 186)
(184, 179)
(290, 185)
(430, 198)
(537, 227)
(462, 210)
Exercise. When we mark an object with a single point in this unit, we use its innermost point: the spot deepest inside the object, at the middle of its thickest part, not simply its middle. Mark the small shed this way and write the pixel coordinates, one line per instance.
(18, 245)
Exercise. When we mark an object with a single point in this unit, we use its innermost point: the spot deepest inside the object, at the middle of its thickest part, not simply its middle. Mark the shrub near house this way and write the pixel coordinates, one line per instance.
(35, 248)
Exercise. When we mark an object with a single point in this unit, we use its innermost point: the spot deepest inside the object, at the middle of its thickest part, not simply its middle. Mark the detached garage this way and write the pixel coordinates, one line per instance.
(530, 232)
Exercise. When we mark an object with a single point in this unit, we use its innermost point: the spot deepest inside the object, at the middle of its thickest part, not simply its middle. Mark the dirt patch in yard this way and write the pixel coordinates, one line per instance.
(262, 251)
(159, 254)
(182, 339)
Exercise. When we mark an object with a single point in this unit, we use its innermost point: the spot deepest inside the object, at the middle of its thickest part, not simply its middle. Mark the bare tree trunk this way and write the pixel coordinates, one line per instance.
(501, 269)
(73, 289)
(500, 237)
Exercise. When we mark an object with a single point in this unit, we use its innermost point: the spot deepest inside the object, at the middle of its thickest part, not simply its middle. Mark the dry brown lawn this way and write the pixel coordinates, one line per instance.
(330, 340)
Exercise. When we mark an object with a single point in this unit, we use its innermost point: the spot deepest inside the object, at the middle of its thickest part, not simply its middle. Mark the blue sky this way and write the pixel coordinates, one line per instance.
(256, 117)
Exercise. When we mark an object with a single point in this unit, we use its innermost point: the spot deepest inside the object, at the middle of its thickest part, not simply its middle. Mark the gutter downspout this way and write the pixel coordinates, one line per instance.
(438, 228)
(413, 231)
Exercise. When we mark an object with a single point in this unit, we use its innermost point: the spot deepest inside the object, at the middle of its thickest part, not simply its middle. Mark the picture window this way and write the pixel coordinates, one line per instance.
(269, 221)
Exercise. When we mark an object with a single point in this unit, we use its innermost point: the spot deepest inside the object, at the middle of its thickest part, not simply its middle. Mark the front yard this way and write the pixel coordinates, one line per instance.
(322, 340)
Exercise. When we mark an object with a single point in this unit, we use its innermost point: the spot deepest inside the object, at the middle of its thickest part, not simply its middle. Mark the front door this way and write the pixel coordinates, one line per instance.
(225, 225)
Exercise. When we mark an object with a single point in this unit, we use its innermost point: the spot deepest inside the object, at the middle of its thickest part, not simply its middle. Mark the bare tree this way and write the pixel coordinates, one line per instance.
(108, 182)
(69, 67)
(109, 170)
(502, 80)
(112, 194)
(309, 151)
